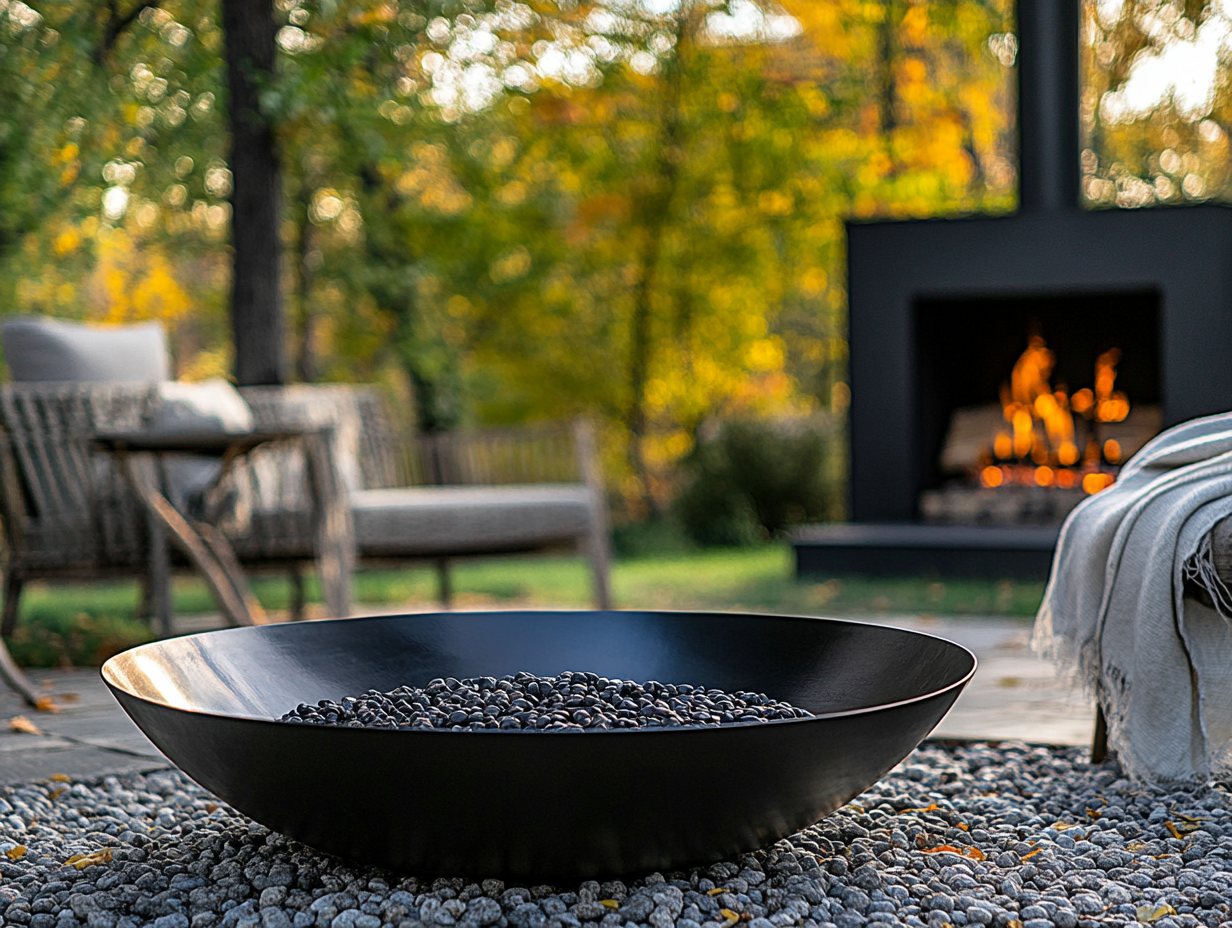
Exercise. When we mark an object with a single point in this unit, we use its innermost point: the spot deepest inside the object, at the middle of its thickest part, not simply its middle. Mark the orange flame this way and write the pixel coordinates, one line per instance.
(1028, 401)
(1040, 430)
(1096, 482)
(1031, 372)
(1110, 405)
(1003, 445)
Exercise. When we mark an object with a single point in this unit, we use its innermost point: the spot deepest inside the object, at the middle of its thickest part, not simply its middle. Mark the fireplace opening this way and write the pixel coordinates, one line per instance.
(1028, 404)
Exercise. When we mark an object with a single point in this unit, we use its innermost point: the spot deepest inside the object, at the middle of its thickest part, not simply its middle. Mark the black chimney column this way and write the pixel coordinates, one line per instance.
(1049, 169)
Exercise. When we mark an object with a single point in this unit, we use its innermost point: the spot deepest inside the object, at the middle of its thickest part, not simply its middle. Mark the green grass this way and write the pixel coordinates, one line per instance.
(85, 624)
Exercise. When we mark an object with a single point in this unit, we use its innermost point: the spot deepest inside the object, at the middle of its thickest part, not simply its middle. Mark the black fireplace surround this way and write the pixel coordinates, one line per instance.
(1182, 254)
(1164, 273)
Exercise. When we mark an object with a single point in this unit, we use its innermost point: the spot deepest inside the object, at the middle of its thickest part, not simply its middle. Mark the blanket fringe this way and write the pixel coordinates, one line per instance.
(1200, 569)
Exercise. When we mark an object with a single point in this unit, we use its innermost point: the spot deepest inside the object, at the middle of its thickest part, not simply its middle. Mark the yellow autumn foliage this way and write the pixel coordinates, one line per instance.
(137, 283)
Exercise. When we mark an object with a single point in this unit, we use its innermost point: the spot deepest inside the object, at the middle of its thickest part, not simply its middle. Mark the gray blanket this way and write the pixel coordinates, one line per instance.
(1116, 618)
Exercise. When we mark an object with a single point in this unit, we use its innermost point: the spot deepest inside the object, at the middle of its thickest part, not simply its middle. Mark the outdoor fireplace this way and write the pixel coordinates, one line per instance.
(1026, 405)
(940, 310)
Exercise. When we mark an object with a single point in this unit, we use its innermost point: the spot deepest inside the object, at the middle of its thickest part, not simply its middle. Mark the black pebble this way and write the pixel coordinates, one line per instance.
(570, 702)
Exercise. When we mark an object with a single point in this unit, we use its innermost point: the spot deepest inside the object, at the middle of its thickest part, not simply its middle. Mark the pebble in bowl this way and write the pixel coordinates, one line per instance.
(540, 804)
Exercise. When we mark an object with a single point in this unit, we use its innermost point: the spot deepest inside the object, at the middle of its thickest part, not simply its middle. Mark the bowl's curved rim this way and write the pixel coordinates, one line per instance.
(678, 730)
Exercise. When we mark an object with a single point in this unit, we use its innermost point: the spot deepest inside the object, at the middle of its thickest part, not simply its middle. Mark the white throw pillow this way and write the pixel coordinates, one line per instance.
(199, 407)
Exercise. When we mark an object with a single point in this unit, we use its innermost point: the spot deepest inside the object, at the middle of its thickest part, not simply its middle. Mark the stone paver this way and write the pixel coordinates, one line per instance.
(1014, 696)
(89, 736)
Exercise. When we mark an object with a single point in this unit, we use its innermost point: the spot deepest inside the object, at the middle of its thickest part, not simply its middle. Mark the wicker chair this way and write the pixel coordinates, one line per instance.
(69, 513)
(66, 509)
(441, 497)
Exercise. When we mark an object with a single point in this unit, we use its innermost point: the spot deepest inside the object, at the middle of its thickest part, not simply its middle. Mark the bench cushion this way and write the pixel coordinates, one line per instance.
(456, 520)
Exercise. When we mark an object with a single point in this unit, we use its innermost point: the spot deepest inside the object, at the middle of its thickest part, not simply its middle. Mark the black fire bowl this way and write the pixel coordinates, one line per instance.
(537, 806)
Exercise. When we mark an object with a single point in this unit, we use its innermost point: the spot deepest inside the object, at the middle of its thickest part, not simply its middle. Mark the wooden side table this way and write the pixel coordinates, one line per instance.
(204, 544)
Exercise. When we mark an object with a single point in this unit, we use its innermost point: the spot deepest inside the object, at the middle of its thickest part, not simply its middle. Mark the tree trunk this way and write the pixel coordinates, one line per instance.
(653, 213)
(257, 320)
(887, 98)
(305, 359)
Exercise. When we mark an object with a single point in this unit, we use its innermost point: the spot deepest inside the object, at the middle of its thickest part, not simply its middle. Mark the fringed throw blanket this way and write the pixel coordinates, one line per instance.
(1116, 616)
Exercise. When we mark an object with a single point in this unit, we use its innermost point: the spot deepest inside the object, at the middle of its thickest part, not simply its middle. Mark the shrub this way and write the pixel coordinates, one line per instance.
(655, 536)
(753, 480)
(80, 640)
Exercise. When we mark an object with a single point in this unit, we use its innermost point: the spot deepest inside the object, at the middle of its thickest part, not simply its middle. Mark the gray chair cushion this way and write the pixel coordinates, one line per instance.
(48, 349)
(454, 520)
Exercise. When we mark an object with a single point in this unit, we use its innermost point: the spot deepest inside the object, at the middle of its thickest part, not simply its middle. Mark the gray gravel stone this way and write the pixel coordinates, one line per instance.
(1023, 848)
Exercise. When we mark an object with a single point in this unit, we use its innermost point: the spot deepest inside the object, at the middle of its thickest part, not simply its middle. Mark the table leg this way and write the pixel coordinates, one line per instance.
(221, 549)
(160, 576)
(199, 551)
(222, 574)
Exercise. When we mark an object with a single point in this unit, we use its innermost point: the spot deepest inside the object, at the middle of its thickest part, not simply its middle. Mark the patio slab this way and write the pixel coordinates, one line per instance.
(1014, 696)
(90, 735)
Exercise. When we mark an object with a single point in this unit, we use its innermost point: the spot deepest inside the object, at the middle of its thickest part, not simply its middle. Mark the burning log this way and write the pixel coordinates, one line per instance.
(1038, 439)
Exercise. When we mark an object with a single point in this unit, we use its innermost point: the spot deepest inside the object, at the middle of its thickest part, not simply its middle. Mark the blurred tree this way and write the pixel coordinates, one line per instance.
(1157, 103)
(103, 106)
(513, 210)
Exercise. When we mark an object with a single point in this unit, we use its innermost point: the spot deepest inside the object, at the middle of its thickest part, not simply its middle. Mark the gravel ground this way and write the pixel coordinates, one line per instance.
(1038, 838)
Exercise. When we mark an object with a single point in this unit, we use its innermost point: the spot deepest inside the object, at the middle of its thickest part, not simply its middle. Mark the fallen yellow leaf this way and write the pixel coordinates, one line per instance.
(1013, 923)
(81, 861)
(1032, 854)
(16, 853)
(974, 853)
(23, 724)
(929, 808)
(56, 792)
(609, 904)
(46, 704)
(717, 891)
(730, 916)
(61, 778)
(1153, 913)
